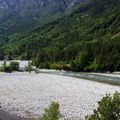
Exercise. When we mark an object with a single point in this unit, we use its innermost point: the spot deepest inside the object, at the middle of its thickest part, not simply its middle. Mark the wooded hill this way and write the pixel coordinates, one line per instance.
(86, 40)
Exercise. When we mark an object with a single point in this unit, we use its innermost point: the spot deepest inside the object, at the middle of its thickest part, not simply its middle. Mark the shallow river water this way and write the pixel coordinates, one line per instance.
(105, 78)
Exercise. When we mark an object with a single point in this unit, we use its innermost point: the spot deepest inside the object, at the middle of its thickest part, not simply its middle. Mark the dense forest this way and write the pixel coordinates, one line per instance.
(86, 40)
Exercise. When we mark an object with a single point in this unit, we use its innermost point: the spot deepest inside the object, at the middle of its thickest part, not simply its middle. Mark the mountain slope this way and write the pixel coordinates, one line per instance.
(86, 40)
(22, 15)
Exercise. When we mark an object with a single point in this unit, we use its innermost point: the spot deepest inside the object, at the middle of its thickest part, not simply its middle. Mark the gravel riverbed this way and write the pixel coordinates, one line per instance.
(27, 95)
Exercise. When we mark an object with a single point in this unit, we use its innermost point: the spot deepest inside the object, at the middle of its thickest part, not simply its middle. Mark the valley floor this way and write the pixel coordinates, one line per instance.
(26, 95)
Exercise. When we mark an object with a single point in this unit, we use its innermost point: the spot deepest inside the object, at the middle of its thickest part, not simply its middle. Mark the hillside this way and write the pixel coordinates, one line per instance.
(22, 15)
(19, 16)
(86, 40)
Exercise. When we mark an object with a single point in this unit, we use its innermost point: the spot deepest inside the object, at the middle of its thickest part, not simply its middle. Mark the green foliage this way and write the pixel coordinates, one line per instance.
(1, 55)
(6, 68)
(14, 66)
(88, 40)
(60, 66)
(3, 36)
(108, 109)
(52, 113)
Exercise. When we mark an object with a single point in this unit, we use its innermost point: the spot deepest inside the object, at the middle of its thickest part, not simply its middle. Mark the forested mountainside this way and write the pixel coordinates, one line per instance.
(23, 15)
(86, 40)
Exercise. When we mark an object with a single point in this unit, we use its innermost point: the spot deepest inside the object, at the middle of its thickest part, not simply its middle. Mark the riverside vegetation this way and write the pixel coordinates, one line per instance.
(86, 40)
(13, 66)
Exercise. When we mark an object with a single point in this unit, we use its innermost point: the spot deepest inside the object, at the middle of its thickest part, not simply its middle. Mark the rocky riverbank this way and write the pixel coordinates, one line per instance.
(26, 95)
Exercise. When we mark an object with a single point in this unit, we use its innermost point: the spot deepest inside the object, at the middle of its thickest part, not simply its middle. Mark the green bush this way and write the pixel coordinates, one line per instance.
(108, 109)
(60, 66)
(14, 65)
(6, 68)
(52, 113)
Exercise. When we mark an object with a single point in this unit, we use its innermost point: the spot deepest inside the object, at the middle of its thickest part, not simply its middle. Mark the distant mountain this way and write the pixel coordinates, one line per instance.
(22, 15)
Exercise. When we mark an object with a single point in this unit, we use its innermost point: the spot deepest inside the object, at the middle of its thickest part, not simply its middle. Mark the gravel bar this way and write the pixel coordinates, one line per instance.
(26, 95)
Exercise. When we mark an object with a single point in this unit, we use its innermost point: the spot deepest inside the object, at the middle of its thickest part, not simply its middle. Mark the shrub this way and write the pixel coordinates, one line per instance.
(44, 65)
(108, 109)
(6, 68)
(52, 113)
(14, 66)
(60, 66)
